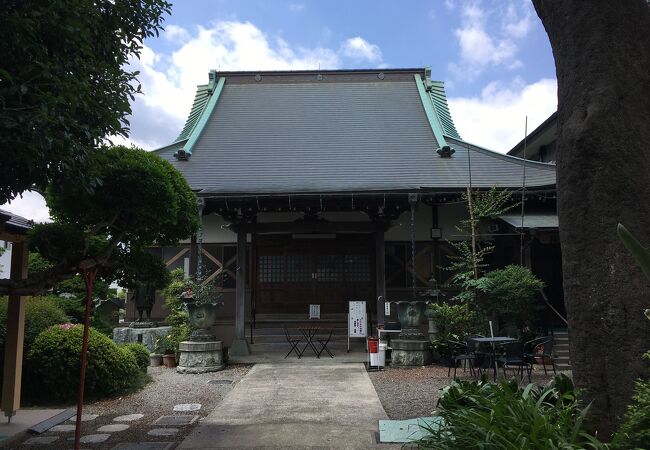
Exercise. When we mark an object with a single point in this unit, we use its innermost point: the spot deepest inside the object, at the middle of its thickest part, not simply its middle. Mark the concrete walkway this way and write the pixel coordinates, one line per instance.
(324, 405)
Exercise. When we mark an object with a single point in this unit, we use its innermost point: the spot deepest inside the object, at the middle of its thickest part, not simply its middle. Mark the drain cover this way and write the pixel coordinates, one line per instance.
(220, 382)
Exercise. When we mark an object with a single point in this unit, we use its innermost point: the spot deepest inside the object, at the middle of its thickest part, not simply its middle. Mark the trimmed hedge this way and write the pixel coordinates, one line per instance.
(40, 314)
(55, 359)
(141, 354)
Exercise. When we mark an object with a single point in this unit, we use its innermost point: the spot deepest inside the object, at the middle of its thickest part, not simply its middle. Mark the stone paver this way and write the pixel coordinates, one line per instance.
(62, 428)
(128, 418)
(163, 432)
(144, 446)
(113, 428)
(92, 438)
(295, 405)
(184, 407)
(41, 440)
(174, 421)
(84, 418)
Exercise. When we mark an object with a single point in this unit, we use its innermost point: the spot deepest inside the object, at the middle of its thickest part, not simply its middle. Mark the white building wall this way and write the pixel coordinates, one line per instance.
(5, 259)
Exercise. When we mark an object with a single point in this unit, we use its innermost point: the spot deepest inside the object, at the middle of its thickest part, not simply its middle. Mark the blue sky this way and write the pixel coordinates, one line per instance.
(493, 55)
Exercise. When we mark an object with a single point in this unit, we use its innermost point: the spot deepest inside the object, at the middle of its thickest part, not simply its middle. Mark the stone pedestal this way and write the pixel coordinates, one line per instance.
(200, 357)
(144, 336)
(410, 352)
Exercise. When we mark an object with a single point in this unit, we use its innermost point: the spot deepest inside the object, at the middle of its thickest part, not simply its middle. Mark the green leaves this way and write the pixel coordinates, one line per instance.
(478, 414)
(640, 253)
(64, 82)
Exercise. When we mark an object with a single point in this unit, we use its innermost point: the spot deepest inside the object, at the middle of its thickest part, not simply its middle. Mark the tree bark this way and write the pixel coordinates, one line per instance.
(602, 58)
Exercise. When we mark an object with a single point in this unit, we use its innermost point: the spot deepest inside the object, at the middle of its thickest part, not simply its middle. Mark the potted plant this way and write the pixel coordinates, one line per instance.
(167, 346)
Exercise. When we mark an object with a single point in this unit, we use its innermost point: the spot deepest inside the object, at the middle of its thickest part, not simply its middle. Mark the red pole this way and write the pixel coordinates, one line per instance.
(89, 278)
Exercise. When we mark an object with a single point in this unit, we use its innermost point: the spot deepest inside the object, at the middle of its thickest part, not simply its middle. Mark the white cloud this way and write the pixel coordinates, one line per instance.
(30, 206)
(175, 33)
(359, 49)
(296, 7)
(482, 44)
(496, 119)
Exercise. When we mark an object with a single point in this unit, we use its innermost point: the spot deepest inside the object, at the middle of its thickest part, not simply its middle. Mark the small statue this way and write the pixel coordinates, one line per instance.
(144, 298)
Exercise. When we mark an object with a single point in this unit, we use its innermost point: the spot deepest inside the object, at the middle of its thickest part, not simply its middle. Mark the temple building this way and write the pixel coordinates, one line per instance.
(322, 187)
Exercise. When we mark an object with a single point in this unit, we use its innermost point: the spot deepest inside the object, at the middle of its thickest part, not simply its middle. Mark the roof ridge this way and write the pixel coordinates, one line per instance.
(503, 156)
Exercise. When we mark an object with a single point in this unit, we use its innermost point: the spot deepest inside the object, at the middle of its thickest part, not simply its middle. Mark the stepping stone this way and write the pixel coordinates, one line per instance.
(113, 428)
(220, 382)
(92, 438)
(41, 440)
(175, 421)
(163, 432)
(84, 417)
(62, 428)
(187, 407)
(144, 446)
(128, 418)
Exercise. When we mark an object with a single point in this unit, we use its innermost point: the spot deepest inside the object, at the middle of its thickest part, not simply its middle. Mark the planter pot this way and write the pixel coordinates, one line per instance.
(155, 360)
(169, 360)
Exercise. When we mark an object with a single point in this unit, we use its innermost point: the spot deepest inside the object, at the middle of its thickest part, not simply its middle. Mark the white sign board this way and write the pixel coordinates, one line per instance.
(357, 320)
(387, 309)
(314, 311)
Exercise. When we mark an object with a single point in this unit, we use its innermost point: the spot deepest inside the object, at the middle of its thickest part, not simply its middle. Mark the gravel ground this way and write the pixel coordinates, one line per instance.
(158, 398)
(414, 392)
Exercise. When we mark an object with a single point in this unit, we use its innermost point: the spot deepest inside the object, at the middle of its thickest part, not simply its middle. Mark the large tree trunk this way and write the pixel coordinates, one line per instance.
(602, 58)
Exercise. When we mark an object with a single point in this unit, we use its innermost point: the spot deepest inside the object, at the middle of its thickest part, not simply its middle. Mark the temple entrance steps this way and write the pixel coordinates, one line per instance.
(561, 349)
(268, 334)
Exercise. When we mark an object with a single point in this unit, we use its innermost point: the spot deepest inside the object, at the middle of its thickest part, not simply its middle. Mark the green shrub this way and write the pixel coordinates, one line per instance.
(478, 414)
(178, 317)
(54, 361)
(141, 354)
(453, 321)
(40, 314)
(511, 291)
(635, 429)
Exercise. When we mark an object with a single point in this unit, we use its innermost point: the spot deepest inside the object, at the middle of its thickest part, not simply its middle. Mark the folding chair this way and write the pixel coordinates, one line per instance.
(293, 342)
(323, 345)
(459, 352)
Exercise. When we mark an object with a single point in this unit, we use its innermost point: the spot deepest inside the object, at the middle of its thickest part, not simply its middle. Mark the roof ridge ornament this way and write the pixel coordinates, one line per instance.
(445, 151)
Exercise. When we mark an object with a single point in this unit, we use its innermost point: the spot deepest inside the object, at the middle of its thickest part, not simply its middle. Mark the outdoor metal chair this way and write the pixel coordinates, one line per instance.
(459, 352)
(514, 357)
(541, 348)
(293, 342)
(323, 341)
(481, 357)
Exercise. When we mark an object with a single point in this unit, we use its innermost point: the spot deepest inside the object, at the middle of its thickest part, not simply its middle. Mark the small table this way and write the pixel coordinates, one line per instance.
(494, 340)
(309, 334)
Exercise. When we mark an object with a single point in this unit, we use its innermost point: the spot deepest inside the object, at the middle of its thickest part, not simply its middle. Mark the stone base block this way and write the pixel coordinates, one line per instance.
(239, 347)
(200, 357)
(407, 352)
(145, 336)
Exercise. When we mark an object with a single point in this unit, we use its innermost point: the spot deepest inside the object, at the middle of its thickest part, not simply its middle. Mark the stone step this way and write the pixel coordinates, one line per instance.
(278, 347)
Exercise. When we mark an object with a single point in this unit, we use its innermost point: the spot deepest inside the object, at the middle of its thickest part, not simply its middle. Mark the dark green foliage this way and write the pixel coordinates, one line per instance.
(454, 321)
(511, 291)
(54, 360)
(141, 354)
(178, 317)
(65, 84)
(40, 314)
(478, 414)
(112, 225)
(635, 429)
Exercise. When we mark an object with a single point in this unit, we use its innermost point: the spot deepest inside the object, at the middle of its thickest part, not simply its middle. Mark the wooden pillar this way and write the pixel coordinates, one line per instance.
(13, 363)
(239, 345)
(380, 274)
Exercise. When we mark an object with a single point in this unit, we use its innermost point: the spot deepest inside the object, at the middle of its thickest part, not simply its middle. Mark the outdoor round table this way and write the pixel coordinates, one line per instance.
(494, 340)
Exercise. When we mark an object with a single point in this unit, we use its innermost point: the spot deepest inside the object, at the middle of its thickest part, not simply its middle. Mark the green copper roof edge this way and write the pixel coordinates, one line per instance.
(441, 106)
(434, 122)
(207, 112)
